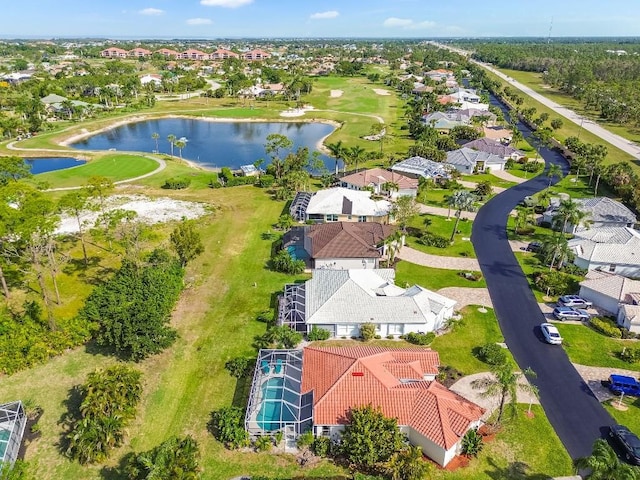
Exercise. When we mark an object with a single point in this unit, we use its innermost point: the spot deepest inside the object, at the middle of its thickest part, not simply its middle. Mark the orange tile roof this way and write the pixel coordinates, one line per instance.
(343, 378)
(377, 176)
(347, 239)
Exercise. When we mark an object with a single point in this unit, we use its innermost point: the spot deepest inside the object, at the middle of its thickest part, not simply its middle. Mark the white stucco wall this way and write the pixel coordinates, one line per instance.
(346, 263)
(599, 299)
(626, 270)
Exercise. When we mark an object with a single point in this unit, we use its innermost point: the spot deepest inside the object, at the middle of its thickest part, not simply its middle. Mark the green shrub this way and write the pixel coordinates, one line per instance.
(367, 331)
(227, 426)
(420, 338)
(318, 334)
(266, 181)
(556, 283)
(390, 337)
(606, 327)
(492, 353)
(214, 182)
(433, 240)
(528, 230)
(176, 183)
(630, 355)
(263, 443)
(321, 446)
(236, 181)
(283, 262)
(306, 439)
(533, 167)
(472, 443)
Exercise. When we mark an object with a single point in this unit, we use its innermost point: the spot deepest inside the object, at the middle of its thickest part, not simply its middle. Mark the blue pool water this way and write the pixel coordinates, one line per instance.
(42, 165)
(297, 252)
(273, 410)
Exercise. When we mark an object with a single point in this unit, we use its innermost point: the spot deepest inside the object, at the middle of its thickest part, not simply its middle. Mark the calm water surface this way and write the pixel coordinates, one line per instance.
(210, 144)
(42, 165)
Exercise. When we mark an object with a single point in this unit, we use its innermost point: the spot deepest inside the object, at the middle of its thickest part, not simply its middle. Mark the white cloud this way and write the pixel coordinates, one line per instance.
(199, 21)
(225, 3)
(151, 11)
(407, 23)
(324, 15)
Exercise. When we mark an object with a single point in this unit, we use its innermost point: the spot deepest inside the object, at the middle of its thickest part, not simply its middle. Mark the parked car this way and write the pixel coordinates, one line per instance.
(551, 334)
(570, 313)
(534, 247)
(620, 384)
(629, 442)
(573, 301)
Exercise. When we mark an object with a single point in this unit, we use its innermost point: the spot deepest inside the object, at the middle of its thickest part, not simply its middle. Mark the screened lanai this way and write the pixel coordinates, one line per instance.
(291, 307)
(12, 422)
(276, 402)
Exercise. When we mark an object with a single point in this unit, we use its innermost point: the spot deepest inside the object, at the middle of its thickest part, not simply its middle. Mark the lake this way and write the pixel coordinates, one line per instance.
(209, 144)
(41, 165)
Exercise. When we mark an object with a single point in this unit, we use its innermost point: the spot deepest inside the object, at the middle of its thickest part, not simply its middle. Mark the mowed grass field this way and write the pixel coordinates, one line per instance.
(114, 167)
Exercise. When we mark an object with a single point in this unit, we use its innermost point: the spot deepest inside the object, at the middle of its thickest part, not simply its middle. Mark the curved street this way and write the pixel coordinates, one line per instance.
(575, 414)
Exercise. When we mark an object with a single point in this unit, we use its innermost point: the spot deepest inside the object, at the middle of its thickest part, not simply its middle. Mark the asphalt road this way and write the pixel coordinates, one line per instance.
(575, 414)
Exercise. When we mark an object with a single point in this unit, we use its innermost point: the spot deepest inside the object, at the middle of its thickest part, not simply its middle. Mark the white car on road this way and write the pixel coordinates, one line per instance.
(551, 334)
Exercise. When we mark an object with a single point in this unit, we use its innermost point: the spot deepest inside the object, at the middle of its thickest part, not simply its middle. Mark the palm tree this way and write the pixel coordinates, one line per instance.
(555, 171)
(156, 136)
(379, 130)
(543, 198)
(505, 383)
(523, 217)
(172, 140)
(555, 248)
(569, 213)
(460, 200)
(337, 151)
(356, 154)
(604, 464)
(180, 144)
(407, 464)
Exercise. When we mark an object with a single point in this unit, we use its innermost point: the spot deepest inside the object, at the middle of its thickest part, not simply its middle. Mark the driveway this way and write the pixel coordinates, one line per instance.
(412, 255)
(467, 296)
(574, 412)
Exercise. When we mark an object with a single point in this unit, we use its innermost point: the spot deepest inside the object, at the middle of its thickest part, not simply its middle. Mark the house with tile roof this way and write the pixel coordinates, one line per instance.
(615, 294)
(601, 212)
(139, 52)
(498, 133)
(443, 121)
(379, 180)
(401, 383)
(417, 167)
(114, 52)
(340, 245)
(340, 301)
(468, 161)
(611, 249)
(344, 205)
(495, 148)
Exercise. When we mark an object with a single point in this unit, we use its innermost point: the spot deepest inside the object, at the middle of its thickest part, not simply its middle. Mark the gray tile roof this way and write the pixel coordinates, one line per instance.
(362, 296)
(468, 157)
(612, 285)
(493, 146)
(612, 245)
(422, 167)
(606, 210)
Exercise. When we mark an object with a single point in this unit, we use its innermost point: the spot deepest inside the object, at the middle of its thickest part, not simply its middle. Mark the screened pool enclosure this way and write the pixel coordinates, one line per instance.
(12, 422)
(276, 402)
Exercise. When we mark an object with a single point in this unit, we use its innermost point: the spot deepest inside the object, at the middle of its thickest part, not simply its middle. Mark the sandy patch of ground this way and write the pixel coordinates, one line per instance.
(381, 91)
(149, 210)
(336, 93)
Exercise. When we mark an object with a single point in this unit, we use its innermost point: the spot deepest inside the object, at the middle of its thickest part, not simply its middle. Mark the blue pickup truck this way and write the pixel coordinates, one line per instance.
(619, 384)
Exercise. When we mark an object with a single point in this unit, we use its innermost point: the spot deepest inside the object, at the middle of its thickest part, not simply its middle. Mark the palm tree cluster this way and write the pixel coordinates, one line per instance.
(176, 458)
(109, 400)
(349, 155)
(460, 200)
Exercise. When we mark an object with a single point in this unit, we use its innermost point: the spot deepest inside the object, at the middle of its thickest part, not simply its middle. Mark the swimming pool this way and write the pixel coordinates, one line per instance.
(297, 252)
(274, 411)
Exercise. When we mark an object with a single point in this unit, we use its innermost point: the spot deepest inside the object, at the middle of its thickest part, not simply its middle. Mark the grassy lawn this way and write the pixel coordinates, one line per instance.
(483, 177)
(474, 330)
(115, 167)
(588, 347)
(570, 129)
(443, 227)
(432, 278)
(629, 417)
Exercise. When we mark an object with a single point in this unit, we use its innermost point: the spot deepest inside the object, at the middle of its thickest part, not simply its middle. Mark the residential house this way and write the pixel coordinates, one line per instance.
(615, 294)
(382, 182)
(399, 382)
(340, 245)
(501, 134)
(168, 53)
(344, 205)
(151, 78)
(139, 52)
(611, 249)
(340, 301)
(496, 148)
(114, 52)
(445, 121)
(468, 161)
(256, 55)
(324, 383)
(475, 114)
(193, 54)
(601, 212)
(440, 75)
(416, 167)
(222, 54)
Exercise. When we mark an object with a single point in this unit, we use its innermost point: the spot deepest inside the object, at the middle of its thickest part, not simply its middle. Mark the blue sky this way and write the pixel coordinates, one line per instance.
(318, 18)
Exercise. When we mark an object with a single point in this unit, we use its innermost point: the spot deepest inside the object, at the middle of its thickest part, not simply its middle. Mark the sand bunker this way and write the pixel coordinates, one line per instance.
(149, 210)
(381, 91)
(336, 93)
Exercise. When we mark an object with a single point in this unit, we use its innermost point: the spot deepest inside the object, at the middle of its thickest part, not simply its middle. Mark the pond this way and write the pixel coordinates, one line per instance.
(209, 144)
(42, 165)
